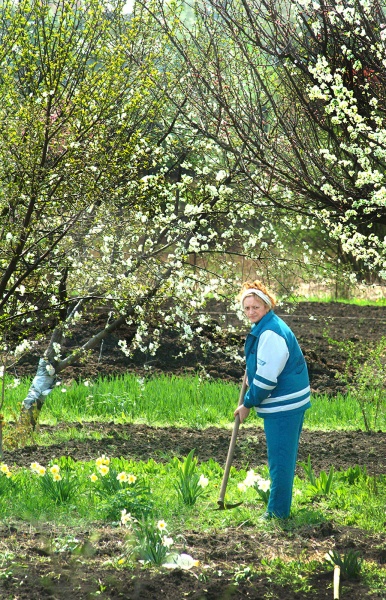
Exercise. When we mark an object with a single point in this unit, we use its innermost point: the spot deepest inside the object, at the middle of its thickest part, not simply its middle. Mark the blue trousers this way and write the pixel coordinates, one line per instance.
(282, 434)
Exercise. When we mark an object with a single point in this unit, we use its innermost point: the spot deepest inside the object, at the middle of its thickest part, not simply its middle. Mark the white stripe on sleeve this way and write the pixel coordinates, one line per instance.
(272, 355)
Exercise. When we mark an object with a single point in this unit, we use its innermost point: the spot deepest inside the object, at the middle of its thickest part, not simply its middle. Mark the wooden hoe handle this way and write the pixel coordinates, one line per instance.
(232, 445)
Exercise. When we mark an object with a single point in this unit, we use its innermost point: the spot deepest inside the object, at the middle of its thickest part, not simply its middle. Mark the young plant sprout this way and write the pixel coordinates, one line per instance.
(190, 485)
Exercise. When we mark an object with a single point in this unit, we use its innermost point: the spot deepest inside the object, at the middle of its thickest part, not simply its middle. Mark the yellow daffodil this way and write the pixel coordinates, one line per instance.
(56, 476)
(94, 477)
(131, 479)
(38, 469)
(122, 477)
(103, 470)
(4, 468)
(102, 460)
(54, 469)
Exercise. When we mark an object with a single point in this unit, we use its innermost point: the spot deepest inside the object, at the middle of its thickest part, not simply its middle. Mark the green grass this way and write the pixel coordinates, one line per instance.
(340, 412)
(185, 401)
(329, 299)
(179, 401)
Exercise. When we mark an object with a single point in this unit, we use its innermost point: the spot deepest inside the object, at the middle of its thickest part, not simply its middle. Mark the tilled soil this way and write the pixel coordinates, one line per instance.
(341, 449)
(316, 325)
(40, 572)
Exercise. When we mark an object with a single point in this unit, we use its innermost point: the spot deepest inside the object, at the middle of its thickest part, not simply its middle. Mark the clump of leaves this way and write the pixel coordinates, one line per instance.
(135, 499)
(149, 542)
(19, 433)
(322, 485)
(353, 475)
(245, 574)
(60, 481)
(350, 563)
(190, 485)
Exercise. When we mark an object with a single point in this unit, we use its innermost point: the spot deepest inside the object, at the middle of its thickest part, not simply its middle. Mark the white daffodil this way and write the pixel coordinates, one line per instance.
(203, 481)
(161, 525)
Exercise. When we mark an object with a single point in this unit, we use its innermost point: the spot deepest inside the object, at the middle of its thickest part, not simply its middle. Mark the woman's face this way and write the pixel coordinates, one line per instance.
(255, 308)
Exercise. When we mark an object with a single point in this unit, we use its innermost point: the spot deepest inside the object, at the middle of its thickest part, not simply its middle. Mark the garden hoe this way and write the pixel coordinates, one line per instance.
(221, 503)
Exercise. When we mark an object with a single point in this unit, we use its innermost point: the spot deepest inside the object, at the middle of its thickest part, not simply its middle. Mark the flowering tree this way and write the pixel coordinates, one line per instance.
(76, 108)
(297, 91)
(108, 196)
(142, 178)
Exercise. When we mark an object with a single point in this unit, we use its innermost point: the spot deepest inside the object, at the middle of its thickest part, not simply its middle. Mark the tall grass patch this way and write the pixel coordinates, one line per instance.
(163, 400)
(190, 401)
(341, 412)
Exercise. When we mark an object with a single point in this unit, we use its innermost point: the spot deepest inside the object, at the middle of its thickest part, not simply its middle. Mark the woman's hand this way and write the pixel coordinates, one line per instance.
(242, 411)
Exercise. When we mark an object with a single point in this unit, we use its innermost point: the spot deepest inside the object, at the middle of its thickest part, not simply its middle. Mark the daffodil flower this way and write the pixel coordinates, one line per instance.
(126, 517)
(251, 478)
(203, 481)
(103, 470)
(167, 541)
(264, 485)
(102, 460)
(38, 469)
(161, 525)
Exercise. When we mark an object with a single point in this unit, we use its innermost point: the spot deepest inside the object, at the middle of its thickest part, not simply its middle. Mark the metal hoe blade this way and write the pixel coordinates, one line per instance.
(222, 505)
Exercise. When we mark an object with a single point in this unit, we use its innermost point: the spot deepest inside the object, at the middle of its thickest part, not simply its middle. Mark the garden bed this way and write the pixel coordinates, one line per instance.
(39, 570)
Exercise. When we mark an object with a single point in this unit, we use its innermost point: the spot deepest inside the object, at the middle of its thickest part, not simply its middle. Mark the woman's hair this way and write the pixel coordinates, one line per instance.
(257, 285)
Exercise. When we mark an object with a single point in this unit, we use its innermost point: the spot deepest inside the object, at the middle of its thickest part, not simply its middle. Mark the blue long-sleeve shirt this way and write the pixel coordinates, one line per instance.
(276, 369)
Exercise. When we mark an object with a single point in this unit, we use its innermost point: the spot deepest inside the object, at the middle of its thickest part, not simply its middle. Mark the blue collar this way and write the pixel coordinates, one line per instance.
(257, 327)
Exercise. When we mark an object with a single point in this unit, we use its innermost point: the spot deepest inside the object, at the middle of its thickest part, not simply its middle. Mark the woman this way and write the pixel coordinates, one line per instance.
(279, 390)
